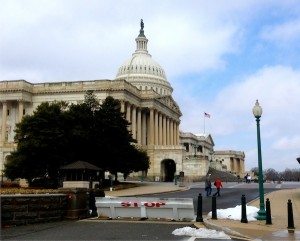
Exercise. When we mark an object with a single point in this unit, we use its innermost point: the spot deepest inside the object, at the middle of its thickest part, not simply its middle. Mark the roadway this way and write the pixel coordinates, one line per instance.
(230, 195)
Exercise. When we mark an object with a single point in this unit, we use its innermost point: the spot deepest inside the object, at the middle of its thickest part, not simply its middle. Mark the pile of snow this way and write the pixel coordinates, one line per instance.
(236, 213)
(200, 233)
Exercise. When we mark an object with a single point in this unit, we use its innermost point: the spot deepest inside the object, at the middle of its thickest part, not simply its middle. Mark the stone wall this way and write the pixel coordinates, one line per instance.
(32, 208)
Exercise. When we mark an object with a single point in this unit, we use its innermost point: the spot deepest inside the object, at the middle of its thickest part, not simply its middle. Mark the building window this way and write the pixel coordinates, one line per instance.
(187, 146)
(8, 112)
(199, 149)
(24, 111)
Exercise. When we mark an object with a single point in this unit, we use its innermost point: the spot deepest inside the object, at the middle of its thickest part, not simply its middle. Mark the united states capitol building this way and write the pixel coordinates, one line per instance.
(146, 99)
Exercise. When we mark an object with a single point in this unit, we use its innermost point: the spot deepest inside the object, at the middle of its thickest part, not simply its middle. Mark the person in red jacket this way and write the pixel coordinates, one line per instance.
(218, 184)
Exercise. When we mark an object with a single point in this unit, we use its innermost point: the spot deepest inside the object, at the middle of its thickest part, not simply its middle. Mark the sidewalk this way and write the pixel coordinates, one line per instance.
(256, 230)
(146, 188)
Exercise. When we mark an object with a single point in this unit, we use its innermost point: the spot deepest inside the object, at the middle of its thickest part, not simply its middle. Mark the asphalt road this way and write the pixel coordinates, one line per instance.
(95, 230)
(98, 230)
(230, 195)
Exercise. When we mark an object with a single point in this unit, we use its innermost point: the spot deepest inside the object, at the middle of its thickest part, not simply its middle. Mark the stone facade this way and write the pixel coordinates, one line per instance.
(196, 154)
(231, 161)
(154, 119)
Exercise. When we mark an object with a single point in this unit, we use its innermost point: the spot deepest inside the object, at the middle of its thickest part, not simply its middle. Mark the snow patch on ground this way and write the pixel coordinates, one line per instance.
(200, 233)
(235, 213)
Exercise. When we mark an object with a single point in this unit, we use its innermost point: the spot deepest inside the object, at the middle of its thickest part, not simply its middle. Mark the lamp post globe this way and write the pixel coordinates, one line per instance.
(261, 214)
(257, 110)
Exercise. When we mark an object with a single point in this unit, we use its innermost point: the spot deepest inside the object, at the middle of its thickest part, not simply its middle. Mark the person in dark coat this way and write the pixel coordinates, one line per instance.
(208, 185)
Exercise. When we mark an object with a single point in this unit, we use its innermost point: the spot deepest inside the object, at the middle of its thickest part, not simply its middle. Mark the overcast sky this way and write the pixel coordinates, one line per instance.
(219, 56)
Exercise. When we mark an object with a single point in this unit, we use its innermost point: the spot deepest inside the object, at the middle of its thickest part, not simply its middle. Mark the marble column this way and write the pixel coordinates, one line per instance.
(231, 164)
(242, 166)
(171, 132)
(164, 130)
(177, 133)
(174, 133)
(133, 122)
(156, 128)
(4, 117)
(139, 126)
(128, 112)
(144, 128)
(122, 106)
(238, 166)
(21, 108)
(128, 116)
(151, 127)
(160, 130)
(168, 131)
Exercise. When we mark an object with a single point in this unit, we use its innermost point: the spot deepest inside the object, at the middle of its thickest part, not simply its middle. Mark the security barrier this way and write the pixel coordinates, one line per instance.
(146, 207)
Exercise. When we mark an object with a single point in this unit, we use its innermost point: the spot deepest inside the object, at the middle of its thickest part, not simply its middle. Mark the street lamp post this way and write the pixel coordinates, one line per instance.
(261, 214)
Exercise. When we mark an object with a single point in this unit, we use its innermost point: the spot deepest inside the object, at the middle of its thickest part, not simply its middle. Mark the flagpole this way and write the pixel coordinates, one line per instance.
(204, 123)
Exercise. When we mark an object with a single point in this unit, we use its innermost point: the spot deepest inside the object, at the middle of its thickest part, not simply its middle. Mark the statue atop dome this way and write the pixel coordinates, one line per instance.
(142, 29)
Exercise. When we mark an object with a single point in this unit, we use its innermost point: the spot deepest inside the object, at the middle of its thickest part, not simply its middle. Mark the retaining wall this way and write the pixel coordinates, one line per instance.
(32, 208)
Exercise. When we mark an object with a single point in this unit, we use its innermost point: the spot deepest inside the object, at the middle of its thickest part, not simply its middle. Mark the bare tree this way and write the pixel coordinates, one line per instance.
(271, 174)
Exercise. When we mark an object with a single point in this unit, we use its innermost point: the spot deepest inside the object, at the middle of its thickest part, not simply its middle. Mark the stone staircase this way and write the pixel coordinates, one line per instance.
(224, 176)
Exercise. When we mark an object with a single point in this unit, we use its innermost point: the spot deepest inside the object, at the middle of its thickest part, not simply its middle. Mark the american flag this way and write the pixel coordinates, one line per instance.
(206, 115)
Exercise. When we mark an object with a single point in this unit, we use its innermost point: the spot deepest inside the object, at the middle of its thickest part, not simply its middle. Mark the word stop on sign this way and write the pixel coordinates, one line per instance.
(146, 204)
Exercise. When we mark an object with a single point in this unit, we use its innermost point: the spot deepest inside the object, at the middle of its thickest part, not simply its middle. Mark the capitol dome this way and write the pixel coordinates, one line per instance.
(142, 71)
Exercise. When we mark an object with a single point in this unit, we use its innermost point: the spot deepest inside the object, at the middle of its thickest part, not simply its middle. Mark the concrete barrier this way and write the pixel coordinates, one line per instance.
(146, 207)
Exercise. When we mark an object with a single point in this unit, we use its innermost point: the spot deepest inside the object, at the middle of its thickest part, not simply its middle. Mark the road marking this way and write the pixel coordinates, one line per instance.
(278, 186)
(236, 185)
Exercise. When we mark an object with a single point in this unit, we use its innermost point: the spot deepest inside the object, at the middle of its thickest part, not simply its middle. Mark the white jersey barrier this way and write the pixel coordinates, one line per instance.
(146, 207)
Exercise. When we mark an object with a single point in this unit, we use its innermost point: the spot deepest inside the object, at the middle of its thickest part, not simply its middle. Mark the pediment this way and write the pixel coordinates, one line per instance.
(170, 102)
(206, 137)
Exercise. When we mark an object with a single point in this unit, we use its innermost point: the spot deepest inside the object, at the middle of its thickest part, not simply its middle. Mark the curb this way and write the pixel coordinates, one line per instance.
(226, 230)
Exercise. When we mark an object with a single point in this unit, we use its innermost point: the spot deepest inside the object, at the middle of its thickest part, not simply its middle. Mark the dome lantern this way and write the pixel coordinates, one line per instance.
(142, 71)
(141, 41)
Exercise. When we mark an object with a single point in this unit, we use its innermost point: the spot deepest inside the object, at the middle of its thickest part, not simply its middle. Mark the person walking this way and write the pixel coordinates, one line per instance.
(218, 184)
(208, 185)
